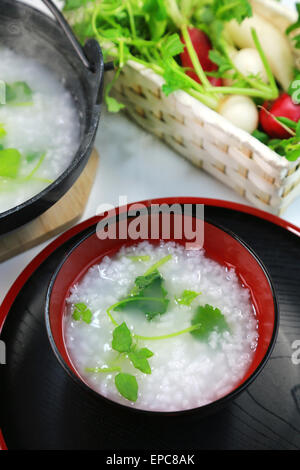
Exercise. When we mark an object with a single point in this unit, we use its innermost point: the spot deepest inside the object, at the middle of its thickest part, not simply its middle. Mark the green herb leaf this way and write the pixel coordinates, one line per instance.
(227, 10)
(171, 46)
(139, 359)
(2, 131)
(261, 136)
(82, 312)
(74, 4)
(174, 80)
(209, 319)
(296, 24)
(187, 297)
(10, 160)
(113, 105)
(288, 148)
(219, 59)
(31, 156)
(293, 155)
(147, 296)
(18, 93)
(127, 386)
(156, 15)
(287, 122)
(122, 338)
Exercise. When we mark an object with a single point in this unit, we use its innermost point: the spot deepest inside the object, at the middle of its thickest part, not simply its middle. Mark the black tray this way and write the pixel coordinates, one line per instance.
(41, 408)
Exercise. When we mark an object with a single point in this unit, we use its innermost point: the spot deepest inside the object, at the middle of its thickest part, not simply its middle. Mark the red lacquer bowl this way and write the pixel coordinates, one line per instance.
(220, 245)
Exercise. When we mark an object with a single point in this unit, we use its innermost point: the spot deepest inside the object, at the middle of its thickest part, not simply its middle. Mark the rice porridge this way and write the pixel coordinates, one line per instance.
(160, 328)
(39, 129)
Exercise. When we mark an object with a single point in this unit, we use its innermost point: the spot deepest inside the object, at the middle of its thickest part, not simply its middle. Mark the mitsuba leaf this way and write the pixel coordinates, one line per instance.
(147, 296)
(127, 386)
(187, 297)
(82, 312)
(10, 160)
(113, 105)
(32, 156)
(122, 338)
(208, 319)
(18, 93)
(139, 358)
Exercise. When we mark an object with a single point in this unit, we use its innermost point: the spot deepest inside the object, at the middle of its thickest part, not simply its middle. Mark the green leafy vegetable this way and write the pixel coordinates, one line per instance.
(74, 4)
(261, 136)
(82, 312)
(171, 46)
(148, 32)
(18, 93)
(122, 338)
(187, 297)
(148, 294)
(156, 17)
(127, 386)
(139, 358)
(32, 156)
(208, 319)
(290, 148)
(10, 160)
(227, 10)
(2, 131)
(294, 26)
(113, 105)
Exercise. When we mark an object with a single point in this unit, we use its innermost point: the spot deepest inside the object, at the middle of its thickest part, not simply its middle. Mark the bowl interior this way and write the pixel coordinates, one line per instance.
(219, 245)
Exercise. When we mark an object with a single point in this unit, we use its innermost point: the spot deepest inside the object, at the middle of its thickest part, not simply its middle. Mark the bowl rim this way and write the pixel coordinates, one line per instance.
(178, 413)
(85, 141)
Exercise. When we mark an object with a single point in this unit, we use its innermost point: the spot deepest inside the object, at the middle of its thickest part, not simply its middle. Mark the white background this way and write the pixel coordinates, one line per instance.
(135, 164)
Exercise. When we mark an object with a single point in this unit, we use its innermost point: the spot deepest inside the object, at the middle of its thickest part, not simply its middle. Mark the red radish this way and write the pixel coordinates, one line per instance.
(202, 46)
(282, 107)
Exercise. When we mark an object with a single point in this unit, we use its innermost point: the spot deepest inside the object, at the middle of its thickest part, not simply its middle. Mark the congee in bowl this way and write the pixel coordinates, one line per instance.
(161, 328)
(154, 327)
(39, 128)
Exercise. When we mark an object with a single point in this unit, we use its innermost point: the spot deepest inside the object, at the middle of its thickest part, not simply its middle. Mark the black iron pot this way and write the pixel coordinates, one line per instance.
(34, 34)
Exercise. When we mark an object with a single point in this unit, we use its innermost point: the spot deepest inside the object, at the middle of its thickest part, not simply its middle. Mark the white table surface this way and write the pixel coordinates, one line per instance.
(136, 165)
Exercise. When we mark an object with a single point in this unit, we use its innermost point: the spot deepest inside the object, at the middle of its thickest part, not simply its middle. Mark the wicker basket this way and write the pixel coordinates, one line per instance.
(209, 141)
